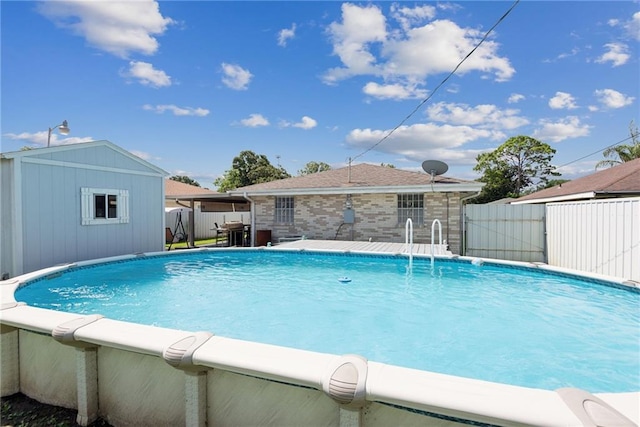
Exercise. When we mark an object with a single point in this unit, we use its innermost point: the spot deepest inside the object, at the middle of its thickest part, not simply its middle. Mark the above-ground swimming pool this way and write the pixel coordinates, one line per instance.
(499, 323)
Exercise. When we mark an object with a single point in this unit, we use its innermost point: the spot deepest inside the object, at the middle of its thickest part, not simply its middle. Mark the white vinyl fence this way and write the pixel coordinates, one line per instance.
(205, 221)
(511, 232)
(600, 236)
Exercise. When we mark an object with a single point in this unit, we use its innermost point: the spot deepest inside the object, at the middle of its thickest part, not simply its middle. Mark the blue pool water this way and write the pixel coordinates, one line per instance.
(508, 325)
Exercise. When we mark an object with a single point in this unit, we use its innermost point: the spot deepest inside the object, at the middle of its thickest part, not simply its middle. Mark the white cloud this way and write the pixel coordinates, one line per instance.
(255, 120)
(610, 98)
(408, 16)
(409, 54)
(515, 98)
(40, 138)
(285, 34)
(146, 74)
(177, 111)
(616, 54)
(484, 116)
(360, 26)
(563, 100)
(393, 91)
(236, 77)
(117, 27)
(424, 141)
(144, 155)
(633, 26)
(569, 127)
(306, 123)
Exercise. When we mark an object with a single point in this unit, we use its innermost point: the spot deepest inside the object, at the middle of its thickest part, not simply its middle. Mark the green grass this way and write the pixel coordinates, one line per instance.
(202, 242)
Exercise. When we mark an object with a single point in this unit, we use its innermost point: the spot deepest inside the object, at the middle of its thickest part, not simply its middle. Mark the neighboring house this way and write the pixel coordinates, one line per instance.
(360, 202)
(200, 203)
(76, 202)
(619, 181)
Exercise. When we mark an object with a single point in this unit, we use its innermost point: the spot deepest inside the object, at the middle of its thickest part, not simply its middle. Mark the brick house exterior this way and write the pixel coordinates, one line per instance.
(315, 205)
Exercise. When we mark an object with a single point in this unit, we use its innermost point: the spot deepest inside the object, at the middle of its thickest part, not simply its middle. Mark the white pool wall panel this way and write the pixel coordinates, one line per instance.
(139, 390)
(47, 370)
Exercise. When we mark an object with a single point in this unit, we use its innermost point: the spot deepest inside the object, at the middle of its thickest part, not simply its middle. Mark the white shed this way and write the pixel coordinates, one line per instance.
(76, 202)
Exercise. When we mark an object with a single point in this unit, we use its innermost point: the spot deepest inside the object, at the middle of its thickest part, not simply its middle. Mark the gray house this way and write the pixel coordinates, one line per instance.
(360, 202)
(76, 202)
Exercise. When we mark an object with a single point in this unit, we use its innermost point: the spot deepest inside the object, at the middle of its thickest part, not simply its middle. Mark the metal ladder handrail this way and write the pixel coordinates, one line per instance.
(408, 238)
(433, 225)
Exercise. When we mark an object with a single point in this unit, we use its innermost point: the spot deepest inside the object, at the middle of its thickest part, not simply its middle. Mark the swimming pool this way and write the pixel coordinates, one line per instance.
(132, 373)
(496, 323)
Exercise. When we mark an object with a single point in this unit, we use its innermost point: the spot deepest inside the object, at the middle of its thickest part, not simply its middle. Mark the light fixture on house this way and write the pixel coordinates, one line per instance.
(63, 128)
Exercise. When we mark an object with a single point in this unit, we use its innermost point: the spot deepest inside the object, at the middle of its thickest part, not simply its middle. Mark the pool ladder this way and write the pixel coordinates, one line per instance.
(433, 226)
(408, 238)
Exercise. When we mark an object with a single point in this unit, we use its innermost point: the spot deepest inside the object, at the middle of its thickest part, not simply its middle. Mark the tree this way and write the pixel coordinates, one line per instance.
(388, 165)
(622, 153)
(521, 162)
(314, 167)
(184, 179)
(249, 168)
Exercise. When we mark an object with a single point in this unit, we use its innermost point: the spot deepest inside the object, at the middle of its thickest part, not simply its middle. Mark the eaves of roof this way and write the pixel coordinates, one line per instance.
(434, 188)
(83, 145)
(589, 195)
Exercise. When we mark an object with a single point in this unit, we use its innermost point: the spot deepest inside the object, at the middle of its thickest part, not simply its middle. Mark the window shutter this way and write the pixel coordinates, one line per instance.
(123, 206)
(87, 206)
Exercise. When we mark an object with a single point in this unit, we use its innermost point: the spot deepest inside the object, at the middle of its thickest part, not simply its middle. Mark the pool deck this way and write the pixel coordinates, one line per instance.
(365, 246)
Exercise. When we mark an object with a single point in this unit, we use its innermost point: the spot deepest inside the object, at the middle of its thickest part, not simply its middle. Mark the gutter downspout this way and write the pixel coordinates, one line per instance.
(463, 229)
(253, 218)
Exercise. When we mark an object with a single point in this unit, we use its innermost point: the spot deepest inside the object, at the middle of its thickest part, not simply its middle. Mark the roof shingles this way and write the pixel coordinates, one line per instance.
(361, 175)
(624, 178)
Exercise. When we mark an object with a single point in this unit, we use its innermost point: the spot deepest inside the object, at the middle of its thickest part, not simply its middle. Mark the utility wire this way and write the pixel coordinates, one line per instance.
(439, 85)
(596, 152)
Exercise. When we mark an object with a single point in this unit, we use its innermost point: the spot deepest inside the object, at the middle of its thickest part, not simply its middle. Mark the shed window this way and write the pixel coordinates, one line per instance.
(411, 206)
(104, 206)
(284, 210)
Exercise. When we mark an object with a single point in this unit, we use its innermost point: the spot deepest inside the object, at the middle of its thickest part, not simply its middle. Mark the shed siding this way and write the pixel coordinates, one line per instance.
(6, 218)
(51, 208)
(376, 218)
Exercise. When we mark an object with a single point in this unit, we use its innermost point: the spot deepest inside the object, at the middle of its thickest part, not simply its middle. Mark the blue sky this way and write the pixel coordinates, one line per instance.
(187, 85)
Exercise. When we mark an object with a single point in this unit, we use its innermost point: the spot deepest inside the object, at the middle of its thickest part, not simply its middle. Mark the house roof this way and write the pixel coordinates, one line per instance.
(81, 146)
(176, 190)
(619, 181)
(361, 178)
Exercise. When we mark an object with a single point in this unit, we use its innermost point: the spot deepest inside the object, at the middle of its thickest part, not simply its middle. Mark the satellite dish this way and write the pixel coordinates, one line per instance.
(434, 167)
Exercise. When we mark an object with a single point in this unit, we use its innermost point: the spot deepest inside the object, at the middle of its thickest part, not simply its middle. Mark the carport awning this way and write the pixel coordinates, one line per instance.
(219, 202)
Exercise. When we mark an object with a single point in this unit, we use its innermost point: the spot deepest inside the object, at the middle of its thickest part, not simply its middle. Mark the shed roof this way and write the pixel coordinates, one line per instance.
(361, 178)
(39, 152)
(619, 181)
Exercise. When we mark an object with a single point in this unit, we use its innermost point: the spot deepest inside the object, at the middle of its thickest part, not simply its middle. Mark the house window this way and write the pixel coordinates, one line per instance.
(104, 206)
(411, 206)
(284, 210)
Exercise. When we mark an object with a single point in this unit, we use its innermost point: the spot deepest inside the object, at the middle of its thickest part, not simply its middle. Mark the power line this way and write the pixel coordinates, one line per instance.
(415, 110)
(596, 152)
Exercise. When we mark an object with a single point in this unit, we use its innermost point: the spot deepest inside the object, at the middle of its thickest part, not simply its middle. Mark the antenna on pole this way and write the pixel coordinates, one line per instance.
(434, 167)
(349, 170)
